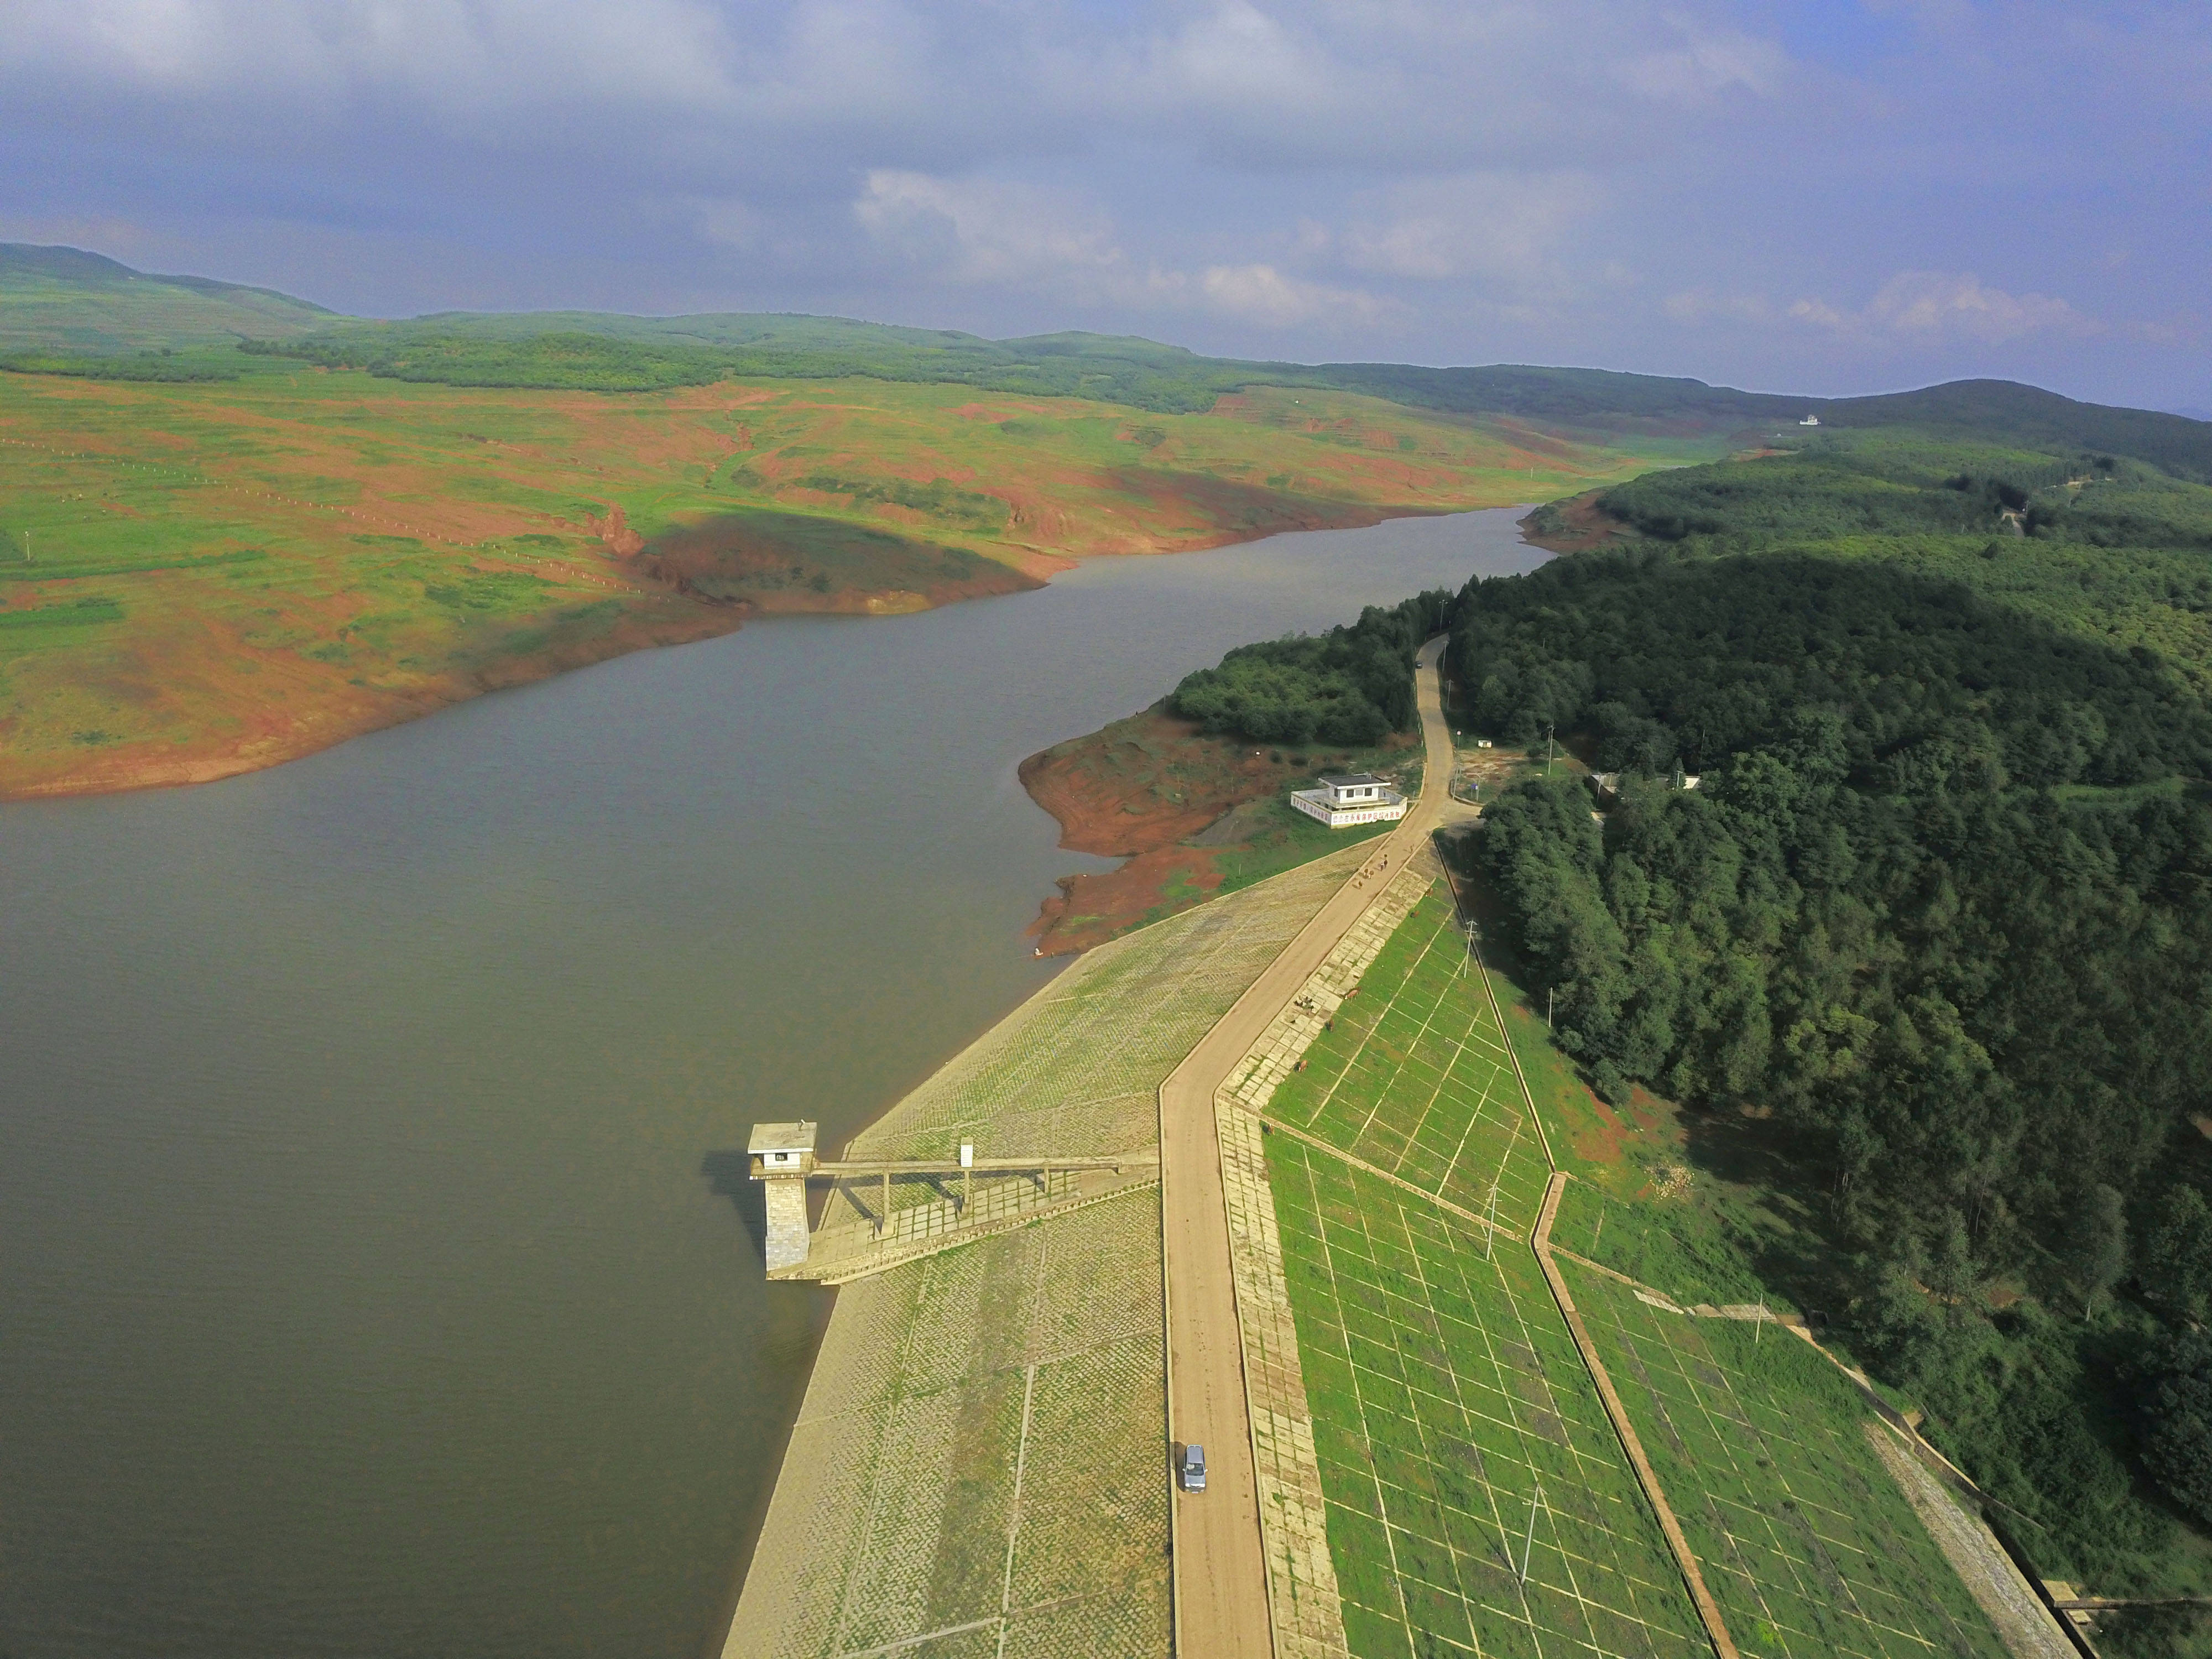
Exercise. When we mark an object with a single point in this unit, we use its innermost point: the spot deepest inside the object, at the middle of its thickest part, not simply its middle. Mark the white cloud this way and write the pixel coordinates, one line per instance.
(1928, 308)
(1697, 306)
(1494, 225)
(1426, 84)
(1934, 302)
(1474, 181)
(977, 231)
(1262, 294)
(1706, 64)
(459, 54)
(1239, 54)
(1820, 313)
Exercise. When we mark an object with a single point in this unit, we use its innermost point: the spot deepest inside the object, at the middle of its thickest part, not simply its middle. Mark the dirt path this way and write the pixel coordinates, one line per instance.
(1220, 1569)
(1986, 1570)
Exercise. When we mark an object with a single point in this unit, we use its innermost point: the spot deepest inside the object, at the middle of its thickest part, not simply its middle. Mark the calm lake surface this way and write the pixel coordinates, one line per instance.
(365, 1287)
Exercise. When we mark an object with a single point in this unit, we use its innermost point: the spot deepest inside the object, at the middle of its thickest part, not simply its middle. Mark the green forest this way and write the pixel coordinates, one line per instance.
(1910, 849)
(1349, 688)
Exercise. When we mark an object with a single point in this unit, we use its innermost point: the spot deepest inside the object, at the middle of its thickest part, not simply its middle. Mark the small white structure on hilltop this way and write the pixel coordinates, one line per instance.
(1349, 798)
(1810, 420)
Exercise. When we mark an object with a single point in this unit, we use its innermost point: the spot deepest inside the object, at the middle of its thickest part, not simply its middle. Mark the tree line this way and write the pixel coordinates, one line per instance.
(1348, 688)
(1942, 902)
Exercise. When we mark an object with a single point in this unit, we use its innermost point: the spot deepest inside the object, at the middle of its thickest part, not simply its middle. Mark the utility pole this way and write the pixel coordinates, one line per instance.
(1547, 750)
(1549, 997)
(1528, 1548)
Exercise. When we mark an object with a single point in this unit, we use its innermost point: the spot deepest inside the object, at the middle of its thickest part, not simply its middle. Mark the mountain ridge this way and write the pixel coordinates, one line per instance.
(617, 351)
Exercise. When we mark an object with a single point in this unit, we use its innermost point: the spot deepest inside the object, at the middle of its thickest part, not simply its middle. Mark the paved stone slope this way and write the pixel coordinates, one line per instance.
(979, 1469)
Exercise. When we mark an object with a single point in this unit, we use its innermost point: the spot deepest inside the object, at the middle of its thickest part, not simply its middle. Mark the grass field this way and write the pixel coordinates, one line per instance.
(199, 578)
(1805, 1540)
(1445, 1390)
(1663, 1242)
(62, 300)
(1414, 1080)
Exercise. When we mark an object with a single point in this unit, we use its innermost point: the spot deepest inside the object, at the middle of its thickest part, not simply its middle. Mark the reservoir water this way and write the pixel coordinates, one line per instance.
(370, 1280)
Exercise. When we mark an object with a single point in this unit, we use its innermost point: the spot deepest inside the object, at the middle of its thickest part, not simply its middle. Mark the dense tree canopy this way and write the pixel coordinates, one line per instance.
(1347, 687)
(1940, 901)
(1911, 851)
(1943, 894)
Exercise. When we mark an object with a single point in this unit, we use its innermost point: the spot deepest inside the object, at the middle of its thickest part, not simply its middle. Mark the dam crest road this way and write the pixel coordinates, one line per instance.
(1220, 1574)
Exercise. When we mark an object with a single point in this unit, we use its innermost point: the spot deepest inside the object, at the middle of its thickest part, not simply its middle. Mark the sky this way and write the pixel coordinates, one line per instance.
(1819, 196)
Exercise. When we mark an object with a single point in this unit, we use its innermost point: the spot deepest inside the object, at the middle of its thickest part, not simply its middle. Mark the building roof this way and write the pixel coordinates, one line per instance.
(1347, 779)
(781, 1137)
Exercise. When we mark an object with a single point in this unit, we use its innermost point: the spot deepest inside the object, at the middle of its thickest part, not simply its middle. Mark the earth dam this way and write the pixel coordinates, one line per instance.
(370, 1142)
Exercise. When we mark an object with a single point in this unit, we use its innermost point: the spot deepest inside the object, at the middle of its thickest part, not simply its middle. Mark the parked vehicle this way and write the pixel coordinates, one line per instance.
(1190, 1469)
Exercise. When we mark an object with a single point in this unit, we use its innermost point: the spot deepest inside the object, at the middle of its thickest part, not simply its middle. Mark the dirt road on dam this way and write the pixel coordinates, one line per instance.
(1220, 1571)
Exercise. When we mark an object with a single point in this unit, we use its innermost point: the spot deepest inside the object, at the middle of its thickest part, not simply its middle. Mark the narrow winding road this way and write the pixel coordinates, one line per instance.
(1220, 1571)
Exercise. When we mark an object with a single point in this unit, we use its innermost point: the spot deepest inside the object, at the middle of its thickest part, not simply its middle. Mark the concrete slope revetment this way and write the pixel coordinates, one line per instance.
(980, 1465)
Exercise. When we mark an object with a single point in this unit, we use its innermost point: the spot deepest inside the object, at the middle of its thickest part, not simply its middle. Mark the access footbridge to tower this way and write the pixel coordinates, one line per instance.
(863, 1231)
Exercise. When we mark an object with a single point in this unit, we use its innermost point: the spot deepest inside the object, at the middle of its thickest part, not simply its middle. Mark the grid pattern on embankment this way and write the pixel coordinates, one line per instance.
(1075, 1071)
(1807, 1542)
(979, 1467)
(1478, 1498)
(1413, 1081)
(1475, 1498)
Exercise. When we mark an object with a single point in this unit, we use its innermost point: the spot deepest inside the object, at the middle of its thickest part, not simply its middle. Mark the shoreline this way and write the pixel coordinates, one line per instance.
(1189, 813)
(676, 619)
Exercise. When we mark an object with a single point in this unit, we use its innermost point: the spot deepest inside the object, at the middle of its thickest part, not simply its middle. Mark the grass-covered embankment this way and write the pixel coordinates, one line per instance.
(1445, 1387)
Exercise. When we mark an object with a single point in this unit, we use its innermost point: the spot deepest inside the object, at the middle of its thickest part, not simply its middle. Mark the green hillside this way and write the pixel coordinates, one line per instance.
(60, 299)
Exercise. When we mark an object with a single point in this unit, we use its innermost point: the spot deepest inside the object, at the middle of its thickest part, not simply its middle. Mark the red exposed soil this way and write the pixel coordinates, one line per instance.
(1139, 789)
(1237, 512)
(1091, 910)
(1136, 790)
(1146, 782)
(764, 563)
(1603, 1141)
(1580, 527)
(284, 710)
(619, 537)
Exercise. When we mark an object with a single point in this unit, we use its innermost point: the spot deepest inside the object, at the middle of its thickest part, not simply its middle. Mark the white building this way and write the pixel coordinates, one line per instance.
(1350, 797)
(1810, 420)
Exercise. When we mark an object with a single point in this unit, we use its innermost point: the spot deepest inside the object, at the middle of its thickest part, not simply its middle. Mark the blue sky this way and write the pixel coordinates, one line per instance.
(1826, 198)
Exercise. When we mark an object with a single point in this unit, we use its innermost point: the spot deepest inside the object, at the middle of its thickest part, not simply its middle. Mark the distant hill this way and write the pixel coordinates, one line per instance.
(64, 298)
(2007, 412)
(61, 298)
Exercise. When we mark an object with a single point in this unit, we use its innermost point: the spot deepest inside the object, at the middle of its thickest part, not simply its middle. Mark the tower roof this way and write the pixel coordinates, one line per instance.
(781, 1137)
